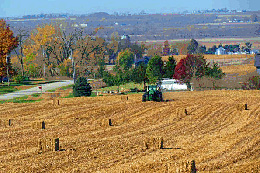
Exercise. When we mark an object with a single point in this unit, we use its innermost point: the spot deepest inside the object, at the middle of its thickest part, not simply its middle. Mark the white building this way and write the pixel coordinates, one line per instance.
(172, 84)
(83, 25)
(220, 51)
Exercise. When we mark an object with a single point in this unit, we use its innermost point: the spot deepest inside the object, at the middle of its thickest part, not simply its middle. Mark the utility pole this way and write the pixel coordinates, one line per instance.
(73, 66)
(43, 54)
(7, 63)
(135, 60)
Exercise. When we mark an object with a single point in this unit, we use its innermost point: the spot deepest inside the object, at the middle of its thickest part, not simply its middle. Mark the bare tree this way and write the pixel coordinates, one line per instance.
(21, 35)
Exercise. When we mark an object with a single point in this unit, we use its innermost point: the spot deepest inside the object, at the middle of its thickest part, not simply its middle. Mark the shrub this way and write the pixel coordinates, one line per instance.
(18, 79)
(214, 72)
(253, 83)
(36, 94)
(81, 87)
(108, 78)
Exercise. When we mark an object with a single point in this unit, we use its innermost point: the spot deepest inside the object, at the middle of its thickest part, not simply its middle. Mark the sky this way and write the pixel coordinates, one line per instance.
(18, 8)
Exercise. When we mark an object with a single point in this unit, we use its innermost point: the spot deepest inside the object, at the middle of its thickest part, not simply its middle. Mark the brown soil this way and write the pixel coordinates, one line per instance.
(218, 136)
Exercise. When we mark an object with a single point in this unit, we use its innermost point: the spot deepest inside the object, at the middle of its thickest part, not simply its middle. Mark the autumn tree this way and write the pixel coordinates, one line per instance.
(55, 50)
(36, 49)
(190, 67)
(125, 59)
(154, 50)
(123, 68)
(113, 47)
(173, 50)
(137, 50)
(60, 48)
(95, 56)
(21, 39)
(254, 18)
(193, 46)
(124, 63)
(166, 48)
(7, 43)
(143, 47)
(181, 47)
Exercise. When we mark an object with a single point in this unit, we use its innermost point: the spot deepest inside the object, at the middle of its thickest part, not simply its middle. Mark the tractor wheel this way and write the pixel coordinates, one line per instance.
(160, 97)
(144, 98)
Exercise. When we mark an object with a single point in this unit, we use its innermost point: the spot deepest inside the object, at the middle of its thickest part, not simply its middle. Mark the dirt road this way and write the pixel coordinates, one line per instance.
(33, 90)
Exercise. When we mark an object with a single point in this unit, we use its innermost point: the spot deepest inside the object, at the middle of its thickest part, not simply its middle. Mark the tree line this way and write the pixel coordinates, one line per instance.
(51, 51)
(193, 66)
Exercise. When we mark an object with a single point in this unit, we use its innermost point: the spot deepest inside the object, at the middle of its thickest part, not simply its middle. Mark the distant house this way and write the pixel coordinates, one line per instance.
(220, 51)
(145, 60)
(83, 25)
(125, 41)
(125, 37)
(254, 51)
(75, 25)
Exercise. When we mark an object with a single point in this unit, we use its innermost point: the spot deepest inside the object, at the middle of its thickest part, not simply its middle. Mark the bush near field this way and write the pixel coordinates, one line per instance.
(252, 83)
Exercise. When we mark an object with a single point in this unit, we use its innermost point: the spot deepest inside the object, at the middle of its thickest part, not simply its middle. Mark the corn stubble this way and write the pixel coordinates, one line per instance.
(209, 128)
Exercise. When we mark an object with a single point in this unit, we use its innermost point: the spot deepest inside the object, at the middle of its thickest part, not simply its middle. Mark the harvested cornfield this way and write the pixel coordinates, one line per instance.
(144, 136)
(239, 69)
(213, 57)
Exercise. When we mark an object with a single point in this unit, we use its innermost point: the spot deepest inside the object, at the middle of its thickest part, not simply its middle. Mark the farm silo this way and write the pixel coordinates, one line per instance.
(257, 62)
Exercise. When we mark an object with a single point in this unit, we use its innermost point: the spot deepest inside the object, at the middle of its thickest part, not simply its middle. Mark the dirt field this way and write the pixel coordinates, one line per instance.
(209, 42)
(213, 57)
(218, 136)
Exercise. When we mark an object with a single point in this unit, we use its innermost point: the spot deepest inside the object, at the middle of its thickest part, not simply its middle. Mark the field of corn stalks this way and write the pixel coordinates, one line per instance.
(216, 58)
(218, 130)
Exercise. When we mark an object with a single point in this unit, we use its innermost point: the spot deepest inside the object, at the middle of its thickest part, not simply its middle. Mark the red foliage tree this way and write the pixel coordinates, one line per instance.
(180, 72)
(7, 43)
(189, 67)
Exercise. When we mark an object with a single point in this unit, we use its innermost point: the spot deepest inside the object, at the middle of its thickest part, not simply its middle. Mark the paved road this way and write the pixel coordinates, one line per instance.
(33, 90)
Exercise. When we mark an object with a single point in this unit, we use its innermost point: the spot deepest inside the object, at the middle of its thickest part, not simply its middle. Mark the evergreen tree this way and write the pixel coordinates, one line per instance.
(154, 69)
(139, 74)
(193, 46)
(214, 72)
(81, 87)
(169, 68)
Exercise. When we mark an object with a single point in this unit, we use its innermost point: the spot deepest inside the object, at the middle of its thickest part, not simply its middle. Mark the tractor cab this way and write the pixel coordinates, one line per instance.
(152, 93)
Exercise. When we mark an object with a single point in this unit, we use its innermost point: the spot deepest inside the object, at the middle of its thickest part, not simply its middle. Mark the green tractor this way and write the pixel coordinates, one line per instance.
(152, 93)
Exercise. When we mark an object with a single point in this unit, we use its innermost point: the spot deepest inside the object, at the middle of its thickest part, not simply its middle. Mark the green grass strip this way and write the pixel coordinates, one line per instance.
(19, 100)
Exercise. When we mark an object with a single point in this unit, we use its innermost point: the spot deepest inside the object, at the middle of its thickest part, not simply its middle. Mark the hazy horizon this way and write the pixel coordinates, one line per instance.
(17, 8)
